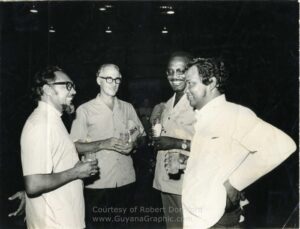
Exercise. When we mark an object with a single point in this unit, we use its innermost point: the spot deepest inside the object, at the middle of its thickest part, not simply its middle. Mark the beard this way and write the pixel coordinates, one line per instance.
(69, 109)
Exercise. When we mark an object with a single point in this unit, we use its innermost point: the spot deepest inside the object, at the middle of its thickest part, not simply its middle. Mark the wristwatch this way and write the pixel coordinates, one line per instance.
(184, 144)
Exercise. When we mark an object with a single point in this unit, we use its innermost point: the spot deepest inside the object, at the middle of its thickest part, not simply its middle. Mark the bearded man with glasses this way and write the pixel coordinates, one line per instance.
(102, 126)
(51, 167)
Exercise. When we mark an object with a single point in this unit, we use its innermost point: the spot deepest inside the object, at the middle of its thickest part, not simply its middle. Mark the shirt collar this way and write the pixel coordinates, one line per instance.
(210, 106)
(99, 100)
(49, 108)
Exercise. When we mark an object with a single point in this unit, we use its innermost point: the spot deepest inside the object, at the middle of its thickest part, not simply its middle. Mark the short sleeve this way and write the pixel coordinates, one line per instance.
(135, 119)
(79, 126)
(36, 150)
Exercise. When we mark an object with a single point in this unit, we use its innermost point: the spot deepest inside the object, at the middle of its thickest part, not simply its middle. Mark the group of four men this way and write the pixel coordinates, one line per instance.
(228, 146)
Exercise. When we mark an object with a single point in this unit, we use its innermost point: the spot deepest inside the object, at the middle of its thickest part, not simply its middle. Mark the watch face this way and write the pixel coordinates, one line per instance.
(184, 146)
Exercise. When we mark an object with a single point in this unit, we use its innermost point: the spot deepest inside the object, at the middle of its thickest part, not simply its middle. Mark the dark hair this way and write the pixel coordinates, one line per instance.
(185, 55)
(41, 78)
(211, 67)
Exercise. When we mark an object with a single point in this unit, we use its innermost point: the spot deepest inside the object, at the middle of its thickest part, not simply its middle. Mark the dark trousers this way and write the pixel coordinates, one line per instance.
(172, 210)
(108, 208)
(230, 219)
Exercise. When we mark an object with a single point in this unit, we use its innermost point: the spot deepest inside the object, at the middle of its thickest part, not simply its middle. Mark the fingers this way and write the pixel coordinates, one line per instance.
(20, 209)
(14, 196)
(93, 162)
(12, 214)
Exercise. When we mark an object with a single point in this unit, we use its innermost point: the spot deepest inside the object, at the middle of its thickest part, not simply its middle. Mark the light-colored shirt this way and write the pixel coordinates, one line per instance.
(46, 148)
(230, 142)
(177, 122)
(96, 121)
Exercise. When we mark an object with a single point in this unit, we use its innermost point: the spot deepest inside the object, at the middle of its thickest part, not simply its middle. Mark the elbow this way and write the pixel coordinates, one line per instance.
(31, 187)
(291, 147)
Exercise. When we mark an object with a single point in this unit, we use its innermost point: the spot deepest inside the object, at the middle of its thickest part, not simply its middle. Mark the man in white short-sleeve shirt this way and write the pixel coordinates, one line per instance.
(101, 126)
(51, 169)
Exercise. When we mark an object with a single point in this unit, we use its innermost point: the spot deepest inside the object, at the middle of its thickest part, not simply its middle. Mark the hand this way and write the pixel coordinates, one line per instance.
(118, 145)
(164, 143)
(233, 196)
(156, 113)
(21, 209)
(111, 143)
(175, 161)
(86, 169)
(125, 147)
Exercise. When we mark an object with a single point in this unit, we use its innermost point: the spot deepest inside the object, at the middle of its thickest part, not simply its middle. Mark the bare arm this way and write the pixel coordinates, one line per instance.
(114, 144)
(84, 147)
(38, 184)
(168, 143)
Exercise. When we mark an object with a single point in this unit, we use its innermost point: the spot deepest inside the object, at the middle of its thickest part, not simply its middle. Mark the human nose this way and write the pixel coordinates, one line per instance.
(73, 91)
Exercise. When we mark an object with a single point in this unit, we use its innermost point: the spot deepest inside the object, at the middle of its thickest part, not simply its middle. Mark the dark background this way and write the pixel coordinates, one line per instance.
(259, 41)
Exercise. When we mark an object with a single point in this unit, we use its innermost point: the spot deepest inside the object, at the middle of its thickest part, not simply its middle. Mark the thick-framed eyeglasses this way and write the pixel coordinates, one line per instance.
(69, 85)
(178, 72)
(110, 79)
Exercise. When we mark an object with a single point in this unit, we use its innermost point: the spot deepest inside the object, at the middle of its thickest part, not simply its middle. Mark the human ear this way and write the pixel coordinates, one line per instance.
(46, 89)
(98, 81)
(213, 83)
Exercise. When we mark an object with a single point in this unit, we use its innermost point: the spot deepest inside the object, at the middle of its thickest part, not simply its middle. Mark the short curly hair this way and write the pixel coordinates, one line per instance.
(41, 78)
(211, 67)
(185, 55)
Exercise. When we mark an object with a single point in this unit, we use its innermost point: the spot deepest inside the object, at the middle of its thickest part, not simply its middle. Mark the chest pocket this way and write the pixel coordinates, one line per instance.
(100, 126)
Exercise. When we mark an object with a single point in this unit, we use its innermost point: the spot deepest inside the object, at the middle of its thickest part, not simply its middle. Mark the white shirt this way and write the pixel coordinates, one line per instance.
(96, 121)
(177, 122)
(46, 148)
(230, 142)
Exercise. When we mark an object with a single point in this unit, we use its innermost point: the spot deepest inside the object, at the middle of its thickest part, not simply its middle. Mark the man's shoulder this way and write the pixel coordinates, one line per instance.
(36, 122)
(86, 105)
(240, 112)
(125, 104)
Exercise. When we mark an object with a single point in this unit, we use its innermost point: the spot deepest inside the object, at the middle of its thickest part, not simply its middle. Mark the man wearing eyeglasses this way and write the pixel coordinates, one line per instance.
(51, 168)
(102, 126)
(177, 119)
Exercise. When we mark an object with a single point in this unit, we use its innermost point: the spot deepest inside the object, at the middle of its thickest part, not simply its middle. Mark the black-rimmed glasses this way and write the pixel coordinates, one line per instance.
(110, 79)
(178, 71)
(69, 85)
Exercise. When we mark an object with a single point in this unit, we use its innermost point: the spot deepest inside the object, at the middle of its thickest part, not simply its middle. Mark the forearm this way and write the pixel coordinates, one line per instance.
(42, 183)
(182, 143)
(85, 147)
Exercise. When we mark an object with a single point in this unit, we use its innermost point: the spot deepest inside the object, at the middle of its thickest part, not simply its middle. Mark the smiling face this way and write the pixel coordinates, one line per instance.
(175, 73)
(107, 87)
(197, 92)
(60, 96)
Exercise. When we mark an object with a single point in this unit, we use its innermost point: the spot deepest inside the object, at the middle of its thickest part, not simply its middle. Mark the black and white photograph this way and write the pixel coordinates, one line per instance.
(149, 114)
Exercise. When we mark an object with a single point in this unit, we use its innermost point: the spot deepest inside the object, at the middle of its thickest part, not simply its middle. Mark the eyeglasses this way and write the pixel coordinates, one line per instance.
(178, 71)
(69, 85)
(110, 79)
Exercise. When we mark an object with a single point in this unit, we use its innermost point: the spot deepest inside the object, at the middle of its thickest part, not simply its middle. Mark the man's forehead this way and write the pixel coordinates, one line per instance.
(177, 61)
(110, 70)
(192, 71)
(61, 76)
